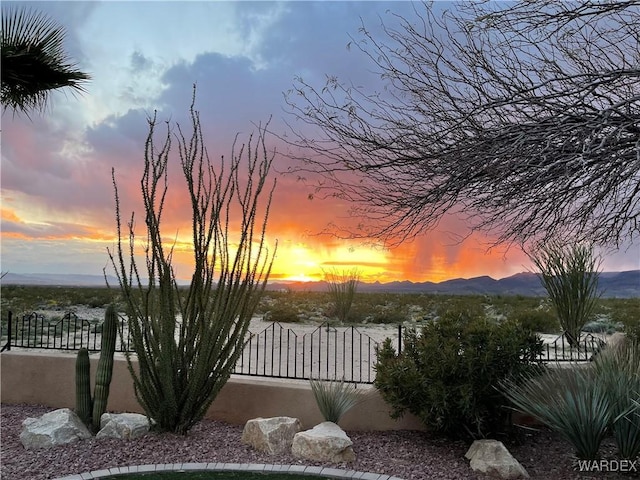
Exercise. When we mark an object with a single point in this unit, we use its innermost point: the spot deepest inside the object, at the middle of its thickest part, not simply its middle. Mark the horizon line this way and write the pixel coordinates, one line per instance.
(312, 281)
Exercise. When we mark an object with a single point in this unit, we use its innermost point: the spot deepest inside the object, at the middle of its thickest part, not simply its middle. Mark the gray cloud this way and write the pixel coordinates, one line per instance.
(308, 39)
(139, 62)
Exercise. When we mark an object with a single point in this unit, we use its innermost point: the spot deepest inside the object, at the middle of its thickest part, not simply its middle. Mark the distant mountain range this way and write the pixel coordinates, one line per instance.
(57, 279)
(613, 284)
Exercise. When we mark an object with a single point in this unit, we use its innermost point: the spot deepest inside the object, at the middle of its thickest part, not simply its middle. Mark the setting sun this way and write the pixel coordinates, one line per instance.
(299, 278)
(304, 262)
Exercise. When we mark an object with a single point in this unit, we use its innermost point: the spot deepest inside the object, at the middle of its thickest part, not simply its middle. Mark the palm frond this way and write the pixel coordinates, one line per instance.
(34, 61)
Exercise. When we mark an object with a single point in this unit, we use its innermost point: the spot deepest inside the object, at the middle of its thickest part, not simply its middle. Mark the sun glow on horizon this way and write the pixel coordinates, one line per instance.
(309, 261)
(299, 258)
(301, 277)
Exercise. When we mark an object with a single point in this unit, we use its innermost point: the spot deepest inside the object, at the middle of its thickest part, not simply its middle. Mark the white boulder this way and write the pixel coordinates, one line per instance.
(58, 427)
(123, 425)
(325, 442)
(492, 458)
(271, 435)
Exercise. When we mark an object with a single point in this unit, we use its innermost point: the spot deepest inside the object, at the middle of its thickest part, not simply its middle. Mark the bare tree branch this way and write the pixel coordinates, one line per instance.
(525, 119)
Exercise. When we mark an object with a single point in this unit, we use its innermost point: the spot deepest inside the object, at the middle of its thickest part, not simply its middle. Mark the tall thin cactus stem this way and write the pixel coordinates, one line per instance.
(105, 364)
(83, 387)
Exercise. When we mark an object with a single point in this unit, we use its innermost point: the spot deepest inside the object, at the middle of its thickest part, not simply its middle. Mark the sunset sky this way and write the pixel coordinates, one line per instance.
(57, 195)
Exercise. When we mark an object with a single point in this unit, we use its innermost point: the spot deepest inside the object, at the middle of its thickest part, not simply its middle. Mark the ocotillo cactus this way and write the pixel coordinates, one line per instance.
(105, 364)
(83, 387)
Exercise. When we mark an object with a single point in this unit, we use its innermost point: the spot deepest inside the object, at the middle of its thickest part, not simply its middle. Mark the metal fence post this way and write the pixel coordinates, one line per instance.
(7, 346)
(399, 338)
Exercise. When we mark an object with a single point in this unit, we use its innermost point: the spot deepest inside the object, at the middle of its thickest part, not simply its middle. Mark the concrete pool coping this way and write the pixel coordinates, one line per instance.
(328, 472)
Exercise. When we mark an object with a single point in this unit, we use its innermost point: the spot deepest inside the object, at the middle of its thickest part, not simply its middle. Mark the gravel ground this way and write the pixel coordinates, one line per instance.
(406, 454)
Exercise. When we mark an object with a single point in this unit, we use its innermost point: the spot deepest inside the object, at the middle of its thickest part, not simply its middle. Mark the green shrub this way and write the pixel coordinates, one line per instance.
(447, 374)
(602, 326)
(358, 313)
(471, 307)
(620, 310)
(96, 302)
(388, 315)
(282, 313)
(537, 321)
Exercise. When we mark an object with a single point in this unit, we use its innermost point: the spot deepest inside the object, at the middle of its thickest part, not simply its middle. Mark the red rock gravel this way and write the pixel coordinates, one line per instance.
(406, 454)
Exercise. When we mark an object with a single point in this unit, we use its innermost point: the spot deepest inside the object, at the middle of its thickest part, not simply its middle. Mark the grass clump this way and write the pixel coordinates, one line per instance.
(602, 326)
(537, 321)
(335, 397)
(388, 314)
(282, 313)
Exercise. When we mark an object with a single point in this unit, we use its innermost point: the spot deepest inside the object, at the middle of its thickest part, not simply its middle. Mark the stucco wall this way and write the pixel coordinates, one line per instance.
(48, 379)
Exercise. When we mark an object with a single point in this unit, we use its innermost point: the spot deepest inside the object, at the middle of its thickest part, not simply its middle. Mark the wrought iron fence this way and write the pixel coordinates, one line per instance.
(559, 350)
(68, 332)
(326, 352)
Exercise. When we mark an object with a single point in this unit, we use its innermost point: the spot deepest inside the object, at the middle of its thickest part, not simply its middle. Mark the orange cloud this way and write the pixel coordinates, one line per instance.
(9, 215)
(295, 223)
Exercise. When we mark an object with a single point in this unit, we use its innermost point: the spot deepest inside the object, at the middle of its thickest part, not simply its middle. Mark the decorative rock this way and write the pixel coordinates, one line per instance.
(123, 425)
(271, 435)
(58, 427)
(325, 442)
(491, 457)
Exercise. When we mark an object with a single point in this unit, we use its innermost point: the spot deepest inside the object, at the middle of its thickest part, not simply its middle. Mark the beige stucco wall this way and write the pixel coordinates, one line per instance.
(48, 379)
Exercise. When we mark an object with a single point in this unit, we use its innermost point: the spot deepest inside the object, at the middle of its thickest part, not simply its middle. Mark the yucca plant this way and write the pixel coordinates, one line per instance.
(618, 369)
(335, 397)
(572, 401)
